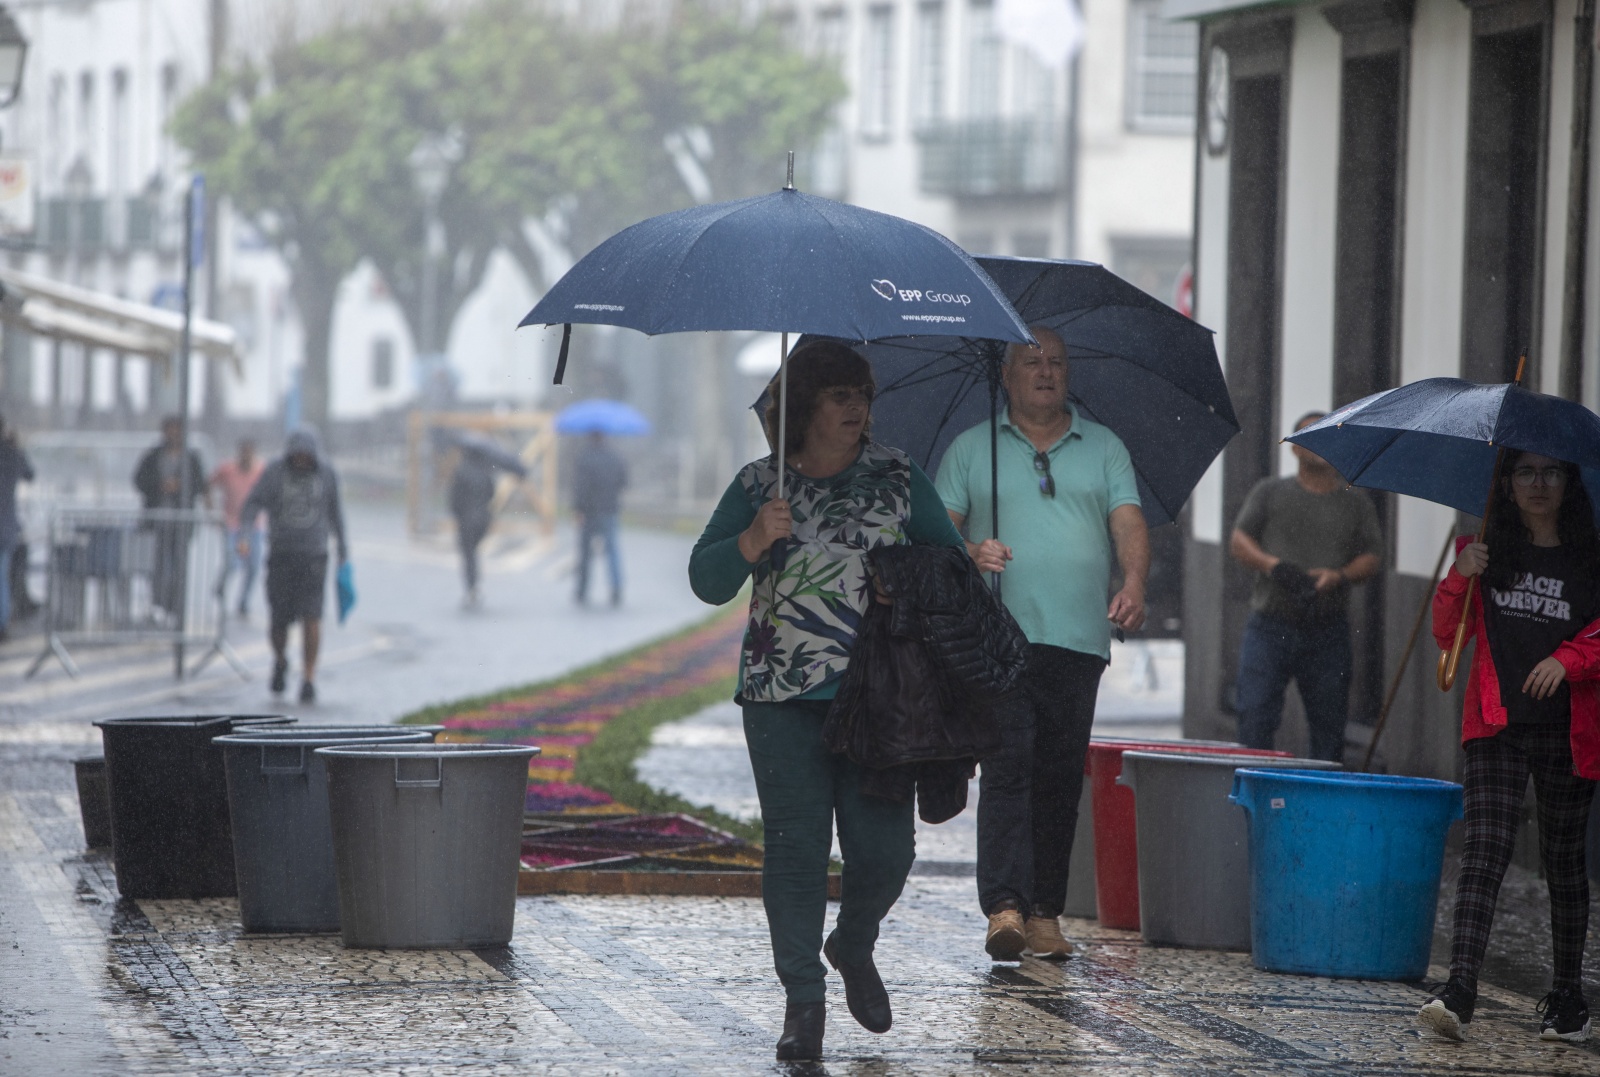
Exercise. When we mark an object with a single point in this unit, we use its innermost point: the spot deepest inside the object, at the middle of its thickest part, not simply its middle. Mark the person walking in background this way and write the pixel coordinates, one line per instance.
(845, 495)
(14, 468)
(599, 476)
(235, 478)
(1309, 537)
(1070, 501)
(471, 498)
(1532, 708)
(162, 485)
(300, 495)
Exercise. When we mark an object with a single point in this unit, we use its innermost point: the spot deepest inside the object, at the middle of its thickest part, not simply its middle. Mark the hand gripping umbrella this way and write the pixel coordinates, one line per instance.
(784, 263)
(1444, 440)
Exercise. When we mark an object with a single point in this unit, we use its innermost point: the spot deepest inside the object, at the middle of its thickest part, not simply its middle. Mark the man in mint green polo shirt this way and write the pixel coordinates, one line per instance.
(1068, 503)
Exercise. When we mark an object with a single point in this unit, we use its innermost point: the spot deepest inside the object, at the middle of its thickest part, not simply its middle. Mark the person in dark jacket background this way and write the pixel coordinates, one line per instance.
(300, 495)
(599, 476)
(14, 468)
(159, 479)
(471, 498)
(844, 496)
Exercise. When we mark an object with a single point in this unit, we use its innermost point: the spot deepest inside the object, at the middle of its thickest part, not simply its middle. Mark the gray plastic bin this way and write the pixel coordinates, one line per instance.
(1080, 868)
(170, 836)
(1194, 846)
(282, 840)
(427, 842)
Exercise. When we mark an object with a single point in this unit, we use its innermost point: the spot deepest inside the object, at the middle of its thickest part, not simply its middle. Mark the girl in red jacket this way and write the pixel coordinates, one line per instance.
(1532, 708)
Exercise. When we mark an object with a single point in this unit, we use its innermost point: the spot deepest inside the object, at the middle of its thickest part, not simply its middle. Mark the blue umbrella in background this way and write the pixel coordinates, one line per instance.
(1444, 440)
(1137, 366)
(597, 416)
(785, 263)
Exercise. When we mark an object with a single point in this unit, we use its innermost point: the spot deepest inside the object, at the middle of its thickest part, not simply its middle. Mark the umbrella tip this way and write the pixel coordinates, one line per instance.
(789, 184)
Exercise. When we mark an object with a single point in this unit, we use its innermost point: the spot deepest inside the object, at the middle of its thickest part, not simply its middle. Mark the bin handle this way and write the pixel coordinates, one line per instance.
(421, 783)
(272, 768)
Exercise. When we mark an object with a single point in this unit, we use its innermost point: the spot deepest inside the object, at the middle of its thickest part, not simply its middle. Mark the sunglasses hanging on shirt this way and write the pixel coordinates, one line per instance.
(1047, 481)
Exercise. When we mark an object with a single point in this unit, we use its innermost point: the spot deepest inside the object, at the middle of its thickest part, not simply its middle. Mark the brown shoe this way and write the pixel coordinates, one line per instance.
(1006, 940)
(1045, 938)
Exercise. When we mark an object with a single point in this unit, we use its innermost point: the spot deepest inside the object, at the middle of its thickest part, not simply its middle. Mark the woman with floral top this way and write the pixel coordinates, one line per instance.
(807, 554)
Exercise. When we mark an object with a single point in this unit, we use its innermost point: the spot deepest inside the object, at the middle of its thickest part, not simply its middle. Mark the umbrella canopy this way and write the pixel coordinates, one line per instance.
(785, 262)
(1137, 366)
(598, 416)
(490, 451)
(1436, 439)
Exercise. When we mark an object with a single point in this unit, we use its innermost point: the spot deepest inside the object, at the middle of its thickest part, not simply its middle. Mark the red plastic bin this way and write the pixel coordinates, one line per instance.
(1116, 850)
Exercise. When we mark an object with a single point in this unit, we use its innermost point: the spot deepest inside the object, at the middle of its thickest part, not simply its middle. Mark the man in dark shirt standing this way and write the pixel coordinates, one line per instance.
(1310, 538)
(598, 478)
(159, 479)
(14, 468)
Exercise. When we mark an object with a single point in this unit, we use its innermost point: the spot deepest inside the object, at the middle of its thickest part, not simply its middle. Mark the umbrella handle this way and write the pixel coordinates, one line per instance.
(1449, 660)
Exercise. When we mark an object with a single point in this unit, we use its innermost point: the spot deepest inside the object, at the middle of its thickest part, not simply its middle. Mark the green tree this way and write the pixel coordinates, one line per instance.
(555, 119)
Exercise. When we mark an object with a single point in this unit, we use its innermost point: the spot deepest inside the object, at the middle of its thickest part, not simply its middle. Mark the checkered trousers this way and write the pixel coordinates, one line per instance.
(1496, 782)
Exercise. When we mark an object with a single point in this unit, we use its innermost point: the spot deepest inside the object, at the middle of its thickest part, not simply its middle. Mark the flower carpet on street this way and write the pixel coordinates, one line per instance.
(564, 717)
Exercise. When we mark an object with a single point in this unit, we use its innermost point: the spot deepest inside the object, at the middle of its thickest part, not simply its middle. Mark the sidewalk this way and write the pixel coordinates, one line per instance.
(91, 985)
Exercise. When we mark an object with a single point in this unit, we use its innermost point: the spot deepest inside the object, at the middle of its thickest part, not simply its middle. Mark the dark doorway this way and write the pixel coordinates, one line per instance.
(1254, 306)
(1504, 173)
(1366, 314)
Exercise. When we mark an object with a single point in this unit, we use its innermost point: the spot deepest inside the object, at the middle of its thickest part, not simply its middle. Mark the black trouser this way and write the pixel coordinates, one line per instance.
(1028, 791)
(1496, 783)
(470, 530)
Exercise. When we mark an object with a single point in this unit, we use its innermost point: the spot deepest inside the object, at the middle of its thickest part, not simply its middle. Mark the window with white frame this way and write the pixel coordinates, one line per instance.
(877, 72)
(983, 61)
(1163, 61)
(827, 167)
(927, 88)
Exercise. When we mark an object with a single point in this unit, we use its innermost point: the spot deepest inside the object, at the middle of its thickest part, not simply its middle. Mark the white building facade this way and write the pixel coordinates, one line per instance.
(1388, 190)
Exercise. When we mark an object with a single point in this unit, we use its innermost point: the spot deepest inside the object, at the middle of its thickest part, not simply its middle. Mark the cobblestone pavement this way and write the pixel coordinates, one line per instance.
(93, 985)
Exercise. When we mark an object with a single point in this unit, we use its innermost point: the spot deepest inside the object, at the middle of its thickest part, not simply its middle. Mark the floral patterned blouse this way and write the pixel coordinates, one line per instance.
(805, 609)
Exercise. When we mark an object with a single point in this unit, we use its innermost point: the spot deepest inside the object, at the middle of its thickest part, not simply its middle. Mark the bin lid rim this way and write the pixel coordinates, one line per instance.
(379, 749)
(240, 740)
(1347, 777)
(177, 721)
(1270, 762)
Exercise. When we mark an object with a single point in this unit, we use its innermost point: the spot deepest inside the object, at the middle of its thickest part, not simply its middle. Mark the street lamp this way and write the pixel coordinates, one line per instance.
(431, 163)
(13, 51)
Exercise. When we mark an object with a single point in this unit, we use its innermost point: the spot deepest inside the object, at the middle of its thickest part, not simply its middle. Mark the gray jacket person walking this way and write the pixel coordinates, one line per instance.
(300, 495)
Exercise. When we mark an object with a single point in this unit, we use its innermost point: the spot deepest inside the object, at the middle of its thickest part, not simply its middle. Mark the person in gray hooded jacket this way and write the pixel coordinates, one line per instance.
(300, 495)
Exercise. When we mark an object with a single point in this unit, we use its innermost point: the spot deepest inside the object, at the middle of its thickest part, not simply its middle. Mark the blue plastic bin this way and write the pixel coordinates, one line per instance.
(1344, 870)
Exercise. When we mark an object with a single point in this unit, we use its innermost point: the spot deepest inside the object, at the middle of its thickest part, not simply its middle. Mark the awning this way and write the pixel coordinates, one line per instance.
(61, 311)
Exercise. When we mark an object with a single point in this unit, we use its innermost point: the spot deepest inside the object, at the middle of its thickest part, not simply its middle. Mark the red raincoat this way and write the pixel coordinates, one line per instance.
(1483, 715)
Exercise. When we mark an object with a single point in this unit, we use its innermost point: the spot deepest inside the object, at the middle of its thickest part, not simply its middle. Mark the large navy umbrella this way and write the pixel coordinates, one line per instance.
(1442, 439)
(1137, 366)
(785, 263)
(1438, 438)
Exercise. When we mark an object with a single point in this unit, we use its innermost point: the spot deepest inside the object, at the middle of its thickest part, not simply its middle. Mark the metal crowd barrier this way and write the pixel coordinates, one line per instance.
(120, 576)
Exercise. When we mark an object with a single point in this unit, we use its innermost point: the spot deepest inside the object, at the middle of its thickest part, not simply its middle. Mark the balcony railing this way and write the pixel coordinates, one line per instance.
(96, 225)
(990, 158)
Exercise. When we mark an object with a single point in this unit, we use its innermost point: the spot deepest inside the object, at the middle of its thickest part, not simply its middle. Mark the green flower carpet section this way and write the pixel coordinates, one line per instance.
(592, 724)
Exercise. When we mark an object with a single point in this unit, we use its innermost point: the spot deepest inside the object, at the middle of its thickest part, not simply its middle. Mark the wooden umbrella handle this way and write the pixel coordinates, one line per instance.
(1451, 659)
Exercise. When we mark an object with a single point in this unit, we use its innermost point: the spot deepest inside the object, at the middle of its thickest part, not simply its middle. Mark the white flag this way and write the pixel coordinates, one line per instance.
(1050, 29)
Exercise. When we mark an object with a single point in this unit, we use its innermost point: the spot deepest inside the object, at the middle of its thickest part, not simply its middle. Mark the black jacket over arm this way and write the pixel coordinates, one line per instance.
(915, 704)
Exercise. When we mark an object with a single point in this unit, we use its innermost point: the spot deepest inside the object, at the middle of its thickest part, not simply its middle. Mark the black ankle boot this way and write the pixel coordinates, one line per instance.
(802, 1031)
(863, 991)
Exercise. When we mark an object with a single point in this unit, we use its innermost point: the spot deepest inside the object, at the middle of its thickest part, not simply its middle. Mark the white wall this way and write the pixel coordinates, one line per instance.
(1435, 227)
(1211, 309)
(1557, 178)
(1310, 221)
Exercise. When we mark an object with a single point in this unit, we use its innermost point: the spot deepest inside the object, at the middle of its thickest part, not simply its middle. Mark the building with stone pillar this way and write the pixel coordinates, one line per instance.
(1385, 190)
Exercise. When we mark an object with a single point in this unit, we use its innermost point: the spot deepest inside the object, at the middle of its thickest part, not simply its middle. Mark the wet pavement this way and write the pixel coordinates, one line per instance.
(90, 984)
(408, 644)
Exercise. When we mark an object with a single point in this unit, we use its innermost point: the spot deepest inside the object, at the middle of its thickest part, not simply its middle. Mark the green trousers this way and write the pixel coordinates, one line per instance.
(804, 788)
